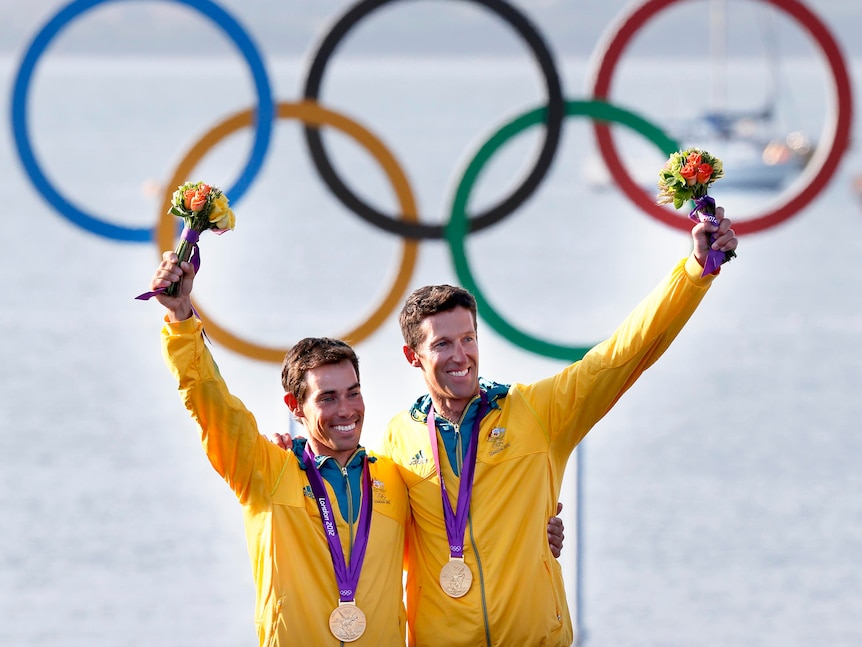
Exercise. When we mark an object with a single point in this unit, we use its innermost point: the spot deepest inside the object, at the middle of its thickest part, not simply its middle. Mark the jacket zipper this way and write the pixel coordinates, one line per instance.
(349, 510)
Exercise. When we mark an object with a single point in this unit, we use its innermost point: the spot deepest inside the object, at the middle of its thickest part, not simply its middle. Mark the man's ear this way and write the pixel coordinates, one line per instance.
(411, 356)
(292, 404)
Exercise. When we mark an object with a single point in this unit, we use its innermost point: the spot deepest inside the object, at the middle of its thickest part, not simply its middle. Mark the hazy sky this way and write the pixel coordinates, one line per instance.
(410, 26)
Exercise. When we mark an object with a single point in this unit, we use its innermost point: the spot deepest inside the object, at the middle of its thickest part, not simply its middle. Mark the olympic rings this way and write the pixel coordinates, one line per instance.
(208, 9)
(407, 223)
(555, 104)
(821, 167)
(309, 113)
(456, 230)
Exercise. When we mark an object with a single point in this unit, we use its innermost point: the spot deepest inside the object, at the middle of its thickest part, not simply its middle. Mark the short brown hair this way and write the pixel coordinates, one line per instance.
(427, 301)
(309, 353)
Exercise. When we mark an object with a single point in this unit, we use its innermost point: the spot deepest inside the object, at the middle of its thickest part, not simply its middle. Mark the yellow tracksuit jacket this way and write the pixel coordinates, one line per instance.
(517, 598)
(290, 560)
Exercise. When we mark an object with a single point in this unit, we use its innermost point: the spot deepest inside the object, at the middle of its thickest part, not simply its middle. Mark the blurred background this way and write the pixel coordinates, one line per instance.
(719, 498)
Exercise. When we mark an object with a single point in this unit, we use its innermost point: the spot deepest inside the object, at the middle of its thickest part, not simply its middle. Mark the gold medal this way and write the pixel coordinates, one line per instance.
(455, 577)
(347, 622)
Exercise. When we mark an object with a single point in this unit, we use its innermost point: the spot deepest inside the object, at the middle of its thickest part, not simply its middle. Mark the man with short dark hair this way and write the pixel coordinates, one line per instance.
(325, 521)
(484, 462)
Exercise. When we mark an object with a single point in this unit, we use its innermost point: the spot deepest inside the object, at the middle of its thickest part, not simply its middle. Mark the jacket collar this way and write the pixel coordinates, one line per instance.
(298, 450)
(493, 390)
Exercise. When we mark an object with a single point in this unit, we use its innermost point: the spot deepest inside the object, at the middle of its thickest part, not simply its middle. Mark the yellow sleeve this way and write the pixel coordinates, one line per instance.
(575, 399)
(228, 431)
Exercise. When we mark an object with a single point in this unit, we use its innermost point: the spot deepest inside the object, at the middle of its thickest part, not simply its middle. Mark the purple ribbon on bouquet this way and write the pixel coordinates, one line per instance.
(704, 211)
(191, 237)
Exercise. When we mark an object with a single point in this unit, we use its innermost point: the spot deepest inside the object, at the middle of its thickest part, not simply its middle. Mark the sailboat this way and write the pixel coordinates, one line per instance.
(754, 157)
(757, 154)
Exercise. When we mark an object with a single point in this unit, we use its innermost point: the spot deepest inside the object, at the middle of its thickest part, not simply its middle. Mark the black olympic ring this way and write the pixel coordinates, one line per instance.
(556, 112)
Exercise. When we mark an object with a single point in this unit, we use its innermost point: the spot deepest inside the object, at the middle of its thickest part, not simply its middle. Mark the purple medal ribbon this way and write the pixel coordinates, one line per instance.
(191, 236)
(347, 577)
(456, 521)
(704, 208)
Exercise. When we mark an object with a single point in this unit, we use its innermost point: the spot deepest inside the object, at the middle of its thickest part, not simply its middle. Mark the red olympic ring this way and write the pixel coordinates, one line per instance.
(834, 142)
(821, 167)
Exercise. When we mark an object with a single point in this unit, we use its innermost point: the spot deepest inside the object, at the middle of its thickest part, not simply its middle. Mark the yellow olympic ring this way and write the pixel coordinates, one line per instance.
(313, 114)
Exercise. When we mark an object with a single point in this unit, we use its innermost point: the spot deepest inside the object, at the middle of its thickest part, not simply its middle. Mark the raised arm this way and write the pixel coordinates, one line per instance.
(228, 431)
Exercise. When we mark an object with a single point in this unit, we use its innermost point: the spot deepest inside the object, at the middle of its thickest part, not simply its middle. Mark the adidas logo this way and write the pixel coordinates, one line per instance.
(419, 459)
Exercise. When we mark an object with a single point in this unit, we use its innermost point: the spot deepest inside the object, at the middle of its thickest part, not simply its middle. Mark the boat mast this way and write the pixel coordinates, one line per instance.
(718, 56)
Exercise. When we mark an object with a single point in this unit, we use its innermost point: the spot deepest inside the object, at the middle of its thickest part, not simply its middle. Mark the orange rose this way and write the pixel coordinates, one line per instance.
(704, 172)
(188, 196)
(689, 174)
(694, 159)
(199, 200)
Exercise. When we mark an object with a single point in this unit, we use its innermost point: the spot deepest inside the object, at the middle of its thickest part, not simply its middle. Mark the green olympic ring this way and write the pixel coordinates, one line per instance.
(458, 225)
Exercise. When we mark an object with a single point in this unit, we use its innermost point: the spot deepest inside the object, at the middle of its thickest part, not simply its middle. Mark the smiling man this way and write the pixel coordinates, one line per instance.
(325, 521)
(484, 462)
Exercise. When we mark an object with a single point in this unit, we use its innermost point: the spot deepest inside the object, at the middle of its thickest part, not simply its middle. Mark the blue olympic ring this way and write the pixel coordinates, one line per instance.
(262, 131)
(459, 224)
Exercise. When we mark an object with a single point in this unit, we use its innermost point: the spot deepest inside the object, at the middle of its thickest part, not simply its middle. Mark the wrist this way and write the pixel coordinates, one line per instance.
(180, 313)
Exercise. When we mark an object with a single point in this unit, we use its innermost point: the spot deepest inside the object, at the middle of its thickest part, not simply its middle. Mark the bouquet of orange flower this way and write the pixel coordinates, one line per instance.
(686, 177)
(202, 207)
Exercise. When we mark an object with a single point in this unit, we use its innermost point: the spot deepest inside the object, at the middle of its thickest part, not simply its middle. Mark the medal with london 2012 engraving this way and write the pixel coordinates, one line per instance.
(347, 622)
(456, 577)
